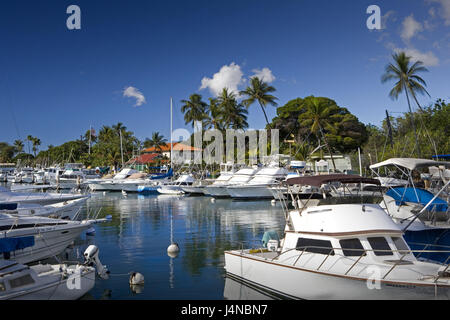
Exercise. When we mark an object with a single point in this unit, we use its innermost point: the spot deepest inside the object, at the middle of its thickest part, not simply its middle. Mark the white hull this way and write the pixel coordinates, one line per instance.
(250, 192)
(56, 290)
(297, 283)
(38, 198)
(119, 185)
(193, 190)
(218, 191)
(170, 190)
(48, 243)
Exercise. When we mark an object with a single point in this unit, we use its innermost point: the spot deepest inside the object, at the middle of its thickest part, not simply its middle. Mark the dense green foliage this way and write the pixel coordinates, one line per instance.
(433, 130)
(319, 120)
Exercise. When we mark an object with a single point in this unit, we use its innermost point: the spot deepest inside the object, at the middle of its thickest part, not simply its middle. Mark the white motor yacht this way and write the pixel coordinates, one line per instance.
(198, 187)
(61, 210)
(227, 170)
(259, 186)
(339, 251)
(242, 176)
(41, 198)
(175, 187)
(72, 177)
(126, 180)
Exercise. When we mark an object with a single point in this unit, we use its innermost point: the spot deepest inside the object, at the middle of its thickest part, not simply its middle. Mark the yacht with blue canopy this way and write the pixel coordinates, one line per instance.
(424, 216)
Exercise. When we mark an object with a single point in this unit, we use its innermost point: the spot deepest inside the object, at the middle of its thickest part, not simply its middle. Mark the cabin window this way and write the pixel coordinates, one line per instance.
(400, 244)
(352, 247)
(2, 287)
(315, 246)
(21, 281)
(380, 246)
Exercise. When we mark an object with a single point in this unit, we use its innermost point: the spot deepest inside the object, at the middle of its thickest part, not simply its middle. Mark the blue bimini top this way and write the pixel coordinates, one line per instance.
(13, 244)
(402, 195)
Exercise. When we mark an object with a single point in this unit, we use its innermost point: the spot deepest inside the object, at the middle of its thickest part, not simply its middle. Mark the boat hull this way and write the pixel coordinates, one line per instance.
(170, 190)
(250, 192)
(297, 283)
(57, 290)
(199, 190)
(218, 191)
(49, 242)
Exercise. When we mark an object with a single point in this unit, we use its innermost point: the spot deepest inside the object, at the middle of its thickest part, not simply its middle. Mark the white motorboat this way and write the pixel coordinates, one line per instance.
(5, 170)
(227, 170)
(340, 251)
(51, 174)
(175, 187)
(14, 177)
(127, 180)
(27, 175)
(72, 177)
(198, 187)
(47, 281)
(41, 198)
(242, 176)
(49, 237)
(259, 186)
(405, 202)
(61, 210)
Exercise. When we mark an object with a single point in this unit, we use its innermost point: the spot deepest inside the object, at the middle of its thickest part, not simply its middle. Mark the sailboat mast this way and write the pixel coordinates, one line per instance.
(171, 130)
(121, 147)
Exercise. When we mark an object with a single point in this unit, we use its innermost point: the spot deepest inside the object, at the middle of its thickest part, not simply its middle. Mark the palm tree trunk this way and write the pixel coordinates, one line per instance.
(413, 124)
(328, 147)
(265, 115)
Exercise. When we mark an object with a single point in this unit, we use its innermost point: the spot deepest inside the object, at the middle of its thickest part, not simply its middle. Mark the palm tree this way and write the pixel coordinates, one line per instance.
(215, 116)
(194, 109)
(157, 141)
(36, 143)
(407, 81)
(29, 139)
(233, 114)
(18, 144)
(259, 91)
(317, 118)
(119, 128)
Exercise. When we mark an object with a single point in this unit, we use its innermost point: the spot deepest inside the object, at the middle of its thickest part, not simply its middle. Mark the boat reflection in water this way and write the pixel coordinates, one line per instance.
(236, 289)
(142, 228)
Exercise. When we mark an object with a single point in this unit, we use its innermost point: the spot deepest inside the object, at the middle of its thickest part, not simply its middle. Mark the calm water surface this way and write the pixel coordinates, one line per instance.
(140, 231)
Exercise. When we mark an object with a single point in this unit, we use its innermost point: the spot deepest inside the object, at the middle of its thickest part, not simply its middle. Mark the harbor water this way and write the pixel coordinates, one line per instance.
(141, 229)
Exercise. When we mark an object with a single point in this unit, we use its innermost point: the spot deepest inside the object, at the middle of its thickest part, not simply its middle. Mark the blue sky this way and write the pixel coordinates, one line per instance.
(55, 82)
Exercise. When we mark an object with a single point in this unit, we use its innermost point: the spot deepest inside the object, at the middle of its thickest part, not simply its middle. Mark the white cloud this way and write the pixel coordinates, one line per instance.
(229, 77)
(428, 58)
(410, 28)
(132, 92)
(445, 12)
(265, 74)
(386, 17)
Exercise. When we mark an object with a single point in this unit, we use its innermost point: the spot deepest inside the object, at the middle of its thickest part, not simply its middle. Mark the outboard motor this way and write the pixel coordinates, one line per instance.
(91, 257)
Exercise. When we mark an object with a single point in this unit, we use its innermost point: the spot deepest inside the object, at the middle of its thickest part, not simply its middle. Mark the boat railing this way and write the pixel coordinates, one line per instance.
(332, 250)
